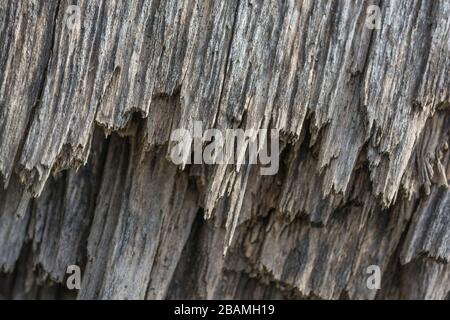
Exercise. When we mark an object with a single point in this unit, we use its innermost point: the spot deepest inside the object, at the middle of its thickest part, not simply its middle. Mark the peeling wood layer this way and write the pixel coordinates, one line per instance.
(85, 120)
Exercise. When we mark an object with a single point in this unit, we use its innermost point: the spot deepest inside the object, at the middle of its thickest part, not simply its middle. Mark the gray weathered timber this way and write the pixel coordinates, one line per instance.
(86, 114)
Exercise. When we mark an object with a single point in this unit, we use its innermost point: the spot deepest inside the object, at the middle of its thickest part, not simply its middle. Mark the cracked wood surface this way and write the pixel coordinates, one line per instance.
(85, 120)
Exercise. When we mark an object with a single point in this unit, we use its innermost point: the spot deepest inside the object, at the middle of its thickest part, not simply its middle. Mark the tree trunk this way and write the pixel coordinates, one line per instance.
(90, 92)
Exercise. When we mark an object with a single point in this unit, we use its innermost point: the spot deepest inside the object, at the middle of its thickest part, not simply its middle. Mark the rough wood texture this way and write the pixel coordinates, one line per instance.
(86, 115)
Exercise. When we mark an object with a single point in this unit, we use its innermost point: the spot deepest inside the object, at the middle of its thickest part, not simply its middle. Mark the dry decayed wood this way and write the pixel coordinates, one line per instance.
(364, 118)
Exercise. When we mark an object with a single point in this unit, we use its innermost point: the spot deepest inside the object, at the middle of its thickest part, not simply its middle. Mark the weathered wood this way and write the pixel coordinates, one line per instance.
(86, 115)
